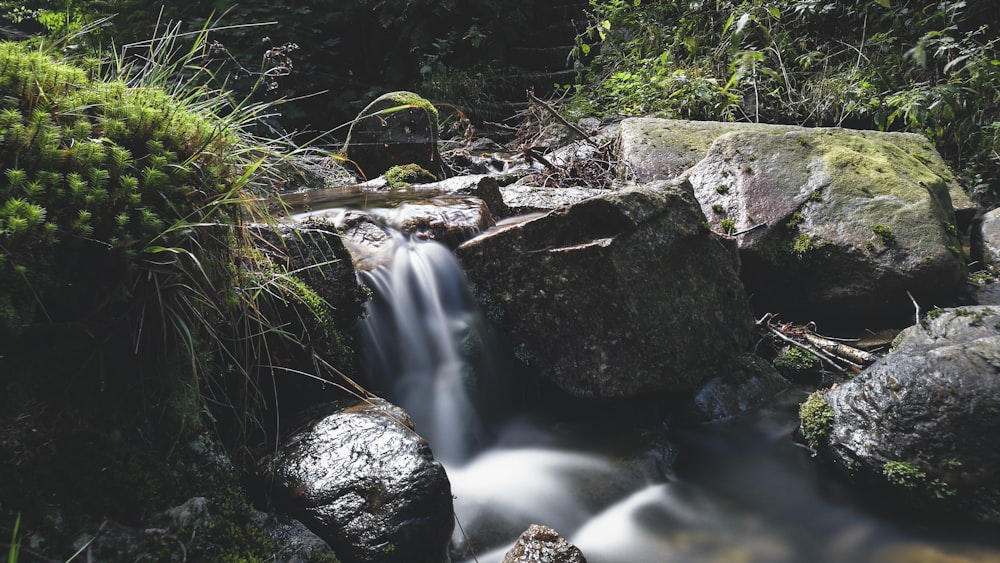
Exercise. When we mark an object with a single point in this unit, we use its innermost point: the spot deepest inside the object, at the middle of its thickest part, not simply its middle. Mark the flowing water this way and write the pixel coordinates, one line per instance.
(624, 487)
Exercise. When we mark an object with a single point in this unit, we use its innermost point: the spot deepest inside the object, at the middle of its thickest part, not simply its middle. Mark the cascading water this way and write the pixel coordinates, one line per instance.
(737, 491)
(424, 346)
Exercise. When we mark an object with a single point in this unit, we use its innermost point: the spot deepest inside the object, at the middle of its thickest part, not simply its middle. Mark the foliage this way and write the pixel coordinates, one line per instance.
(134, 298)
(13, 553)
(918, 65)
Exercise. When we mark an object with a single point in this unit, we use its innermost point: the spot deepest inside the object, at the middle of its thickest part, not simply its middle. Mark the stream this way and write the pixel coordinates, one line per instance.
(624, 487)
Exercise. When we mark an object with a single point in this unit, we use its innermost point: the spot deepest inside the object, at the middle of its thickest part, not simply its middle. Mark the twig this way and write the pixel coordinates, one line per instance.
(818, 353)
(583, 134)
(916, 307)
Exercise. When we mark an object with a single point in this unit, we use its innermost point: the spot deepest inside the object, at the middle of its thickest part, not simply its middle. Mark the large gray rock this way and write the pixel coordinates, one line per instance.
(925, 420)
(397, 128)
(367, 484)
(617, 296)
(541, 543)
(832, 224)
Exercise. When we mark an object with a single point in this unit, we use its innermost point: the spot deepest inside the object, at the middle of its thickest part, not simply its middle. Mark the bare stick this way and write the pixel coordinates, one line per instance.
(583, 134)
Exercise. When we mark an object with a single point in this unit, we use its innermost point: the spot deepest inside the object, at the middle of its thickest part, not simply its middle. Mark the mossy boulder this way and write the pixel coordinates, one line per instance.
(832, 224)
(923, 423)
(398, 128)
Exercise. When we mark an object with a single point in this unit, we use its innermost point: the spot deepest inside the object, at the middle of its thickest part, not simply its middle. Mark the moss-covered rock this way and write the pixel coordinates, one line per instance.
(816, 419)
(398, 128)
(832, 224)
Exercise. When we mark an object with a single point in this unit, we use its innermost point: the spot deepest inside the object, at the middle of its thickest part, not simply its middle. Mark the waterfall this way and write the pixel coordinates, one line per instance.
(426, 347)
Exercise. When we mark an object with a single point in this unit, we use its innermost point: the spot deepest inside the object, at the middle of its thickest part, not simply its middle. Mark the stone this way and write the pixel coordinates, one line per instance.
(526, 198)
(833, 225)
(398, 128)
(367, 484)
(924, 421)
(541, 543)
(616, 296)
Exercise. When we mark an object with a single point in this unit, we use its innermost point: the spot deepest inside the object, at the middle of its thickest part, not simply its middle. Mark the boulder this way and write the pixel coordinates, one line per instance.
(832, 224)
(541, 543)
(367, 484)
(617, 296)
(924, 421)
(397, 128)
(526, 198)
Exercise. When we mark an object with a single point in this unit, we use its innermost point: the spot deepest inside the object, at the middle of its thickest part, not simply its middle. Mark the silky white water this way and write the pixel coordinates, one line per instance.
(623, 491)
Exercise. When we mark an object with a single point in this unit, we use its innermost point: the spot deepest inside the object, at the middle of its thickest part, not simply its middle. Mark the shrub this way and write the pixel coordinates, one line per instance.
(918, 65)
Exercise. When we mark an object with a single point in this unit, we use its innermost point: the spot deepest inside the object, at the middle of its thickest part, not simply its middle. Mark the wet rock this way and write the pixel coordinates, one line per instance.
(541, 543)
(479, 186)
(616, 296)
(525, 198)
(397, 128)
(448, 220)
(834, 224)
(367, 484)
(923, 422)
(746, 383)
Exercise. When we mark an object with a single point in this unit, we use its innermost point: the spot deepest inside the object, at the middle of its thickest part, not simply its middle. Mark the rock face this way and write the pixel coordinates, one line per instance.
(366, 483)
(834, 224)
(541, 543)
(616, 296)
(925, 420)
(397, 128)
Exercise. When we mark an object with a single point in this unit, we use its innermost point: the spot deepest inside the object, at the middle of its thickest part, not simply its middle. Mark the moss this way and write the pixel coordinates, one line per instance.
(884, 234)
(405, 174)
(909, 477)
(816, 418)
(718, 209)
(404, 98)
(727, 226)
(794, 221)
(795, 362)
(722, 189)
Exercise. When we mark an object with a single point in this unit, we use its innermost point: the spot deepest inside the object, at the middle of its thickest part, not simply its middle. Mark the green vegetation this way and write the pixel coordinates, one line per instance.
(727, 226)
(407, 174)
(794, 363)
(911, 478)
(917, 65)
(816, 417)
(137, 309)
(884, 234)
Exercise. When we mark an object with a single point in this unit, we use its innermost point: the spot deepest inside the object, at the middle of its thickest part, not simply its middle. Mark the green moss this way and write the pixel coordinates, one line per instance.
(816, 418)
(794, 221)
(909, 477)
(884, 234)
(794, 362)
(722, 189)
(718, 209)
(411, 99)
(727, 226)
(406, 174)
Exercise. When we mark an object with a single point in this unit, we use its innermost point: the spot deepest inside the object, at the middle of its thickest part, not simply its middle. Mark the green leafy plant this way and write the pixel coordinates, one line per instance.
(14, 551)
(927, 67)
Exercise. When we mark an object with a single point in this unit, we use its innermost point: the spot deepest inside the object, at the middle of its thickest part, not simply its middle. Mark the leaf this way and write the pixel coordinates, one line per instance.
(883, 3)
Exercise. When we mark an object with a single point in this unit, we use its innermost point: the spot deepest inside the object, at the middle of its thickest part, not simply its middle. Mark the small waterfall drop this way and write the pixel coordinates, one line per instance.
(426, 349)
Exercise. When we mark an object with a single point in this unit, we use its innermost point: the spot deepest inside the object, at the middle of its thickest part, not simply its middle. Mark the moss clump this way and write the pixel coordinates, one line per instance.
(912, 479)
(816, 419)
(884, 234)
(404, 175)
(727, 226)
(794, 363)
